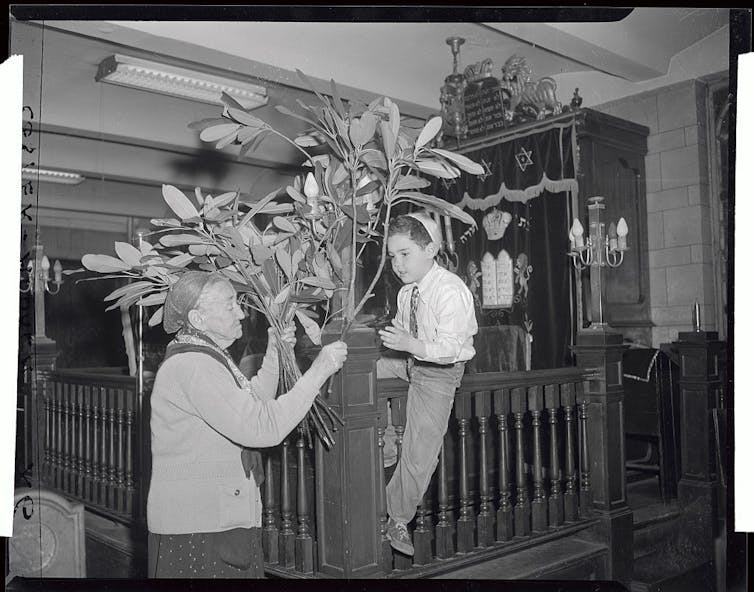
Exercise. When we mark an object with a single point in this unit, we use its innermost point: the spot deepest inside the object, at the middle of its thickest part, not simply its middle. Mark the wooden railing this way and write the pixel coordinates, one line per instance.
(96, 440)
(514, 468)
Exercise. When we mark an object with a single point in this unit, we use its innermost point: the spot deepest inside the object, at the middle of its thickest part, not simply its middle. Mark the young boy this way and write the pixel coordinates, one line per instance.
(435, 325)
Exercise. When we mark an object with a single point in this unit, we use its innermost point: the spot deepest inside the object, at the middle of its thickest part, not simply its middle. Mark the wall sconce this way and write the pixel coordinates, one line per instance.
(38, 274)
(597, 251)
(178, 82)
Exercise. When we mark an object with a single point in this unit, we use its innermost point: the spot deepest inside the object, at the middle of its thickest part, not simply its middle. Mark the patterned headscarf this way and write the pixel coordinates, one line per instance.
(183, 296)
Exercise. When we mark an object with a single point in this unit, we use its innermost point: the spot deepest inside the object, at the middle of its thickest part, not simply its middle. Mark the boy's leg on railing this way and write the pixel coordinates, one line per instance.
(391, 367)
(430, 401)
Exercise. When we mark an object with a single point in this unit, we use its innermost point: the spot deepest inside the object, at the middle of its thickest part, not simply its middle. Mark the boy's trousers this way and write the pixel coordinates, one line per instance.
(431, 392)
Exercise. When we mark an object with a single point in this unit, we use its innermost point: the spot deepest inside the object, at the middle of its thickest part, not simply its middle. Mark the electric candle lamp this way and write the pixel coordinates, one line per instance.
(45, 268)
(577, 230)
(612, 237)
(58, 269)
(622, 231)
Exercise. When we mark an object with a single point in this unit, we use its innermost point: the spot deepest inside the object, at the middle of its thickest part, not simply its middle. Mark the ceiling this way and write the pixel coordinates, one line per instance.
(122, 134)
(410, 60)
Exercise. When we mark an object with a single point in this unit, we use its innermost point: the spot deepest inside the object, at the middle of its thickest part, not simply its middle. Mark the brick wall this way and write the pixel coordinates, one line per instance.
(678, 206)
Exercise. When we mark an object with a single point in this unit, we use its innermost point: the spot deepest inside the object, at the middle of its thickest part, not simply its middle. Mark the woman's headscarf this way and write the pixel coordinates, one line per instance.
(183, 296)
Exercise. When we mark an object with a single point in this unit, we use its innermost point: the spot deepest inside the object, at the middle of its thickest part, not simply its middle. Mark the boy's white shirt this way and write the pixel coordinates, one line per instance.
(445, 315)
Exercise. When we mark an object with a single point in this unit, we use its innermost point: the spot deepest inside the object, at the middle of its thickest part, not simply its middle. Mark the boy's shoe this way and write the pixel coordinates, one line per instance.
(399, 537)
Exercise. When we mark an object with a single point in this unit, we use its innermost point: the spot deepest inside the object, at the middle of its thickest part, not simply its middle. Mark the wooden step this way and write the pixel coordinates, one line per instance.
(566, 559)
(114, 550)
(653, 527)
(656, 573)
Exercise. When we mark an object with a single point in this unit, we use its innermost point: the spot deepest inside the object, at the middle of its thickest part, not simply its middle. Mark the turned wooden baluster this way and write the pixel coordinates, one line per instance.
(95, 446)
(502, 407)
(98, 436)
(58, 480)
(130, 489)
(103, 448)
(270, 532)
(73, 450)
(539, 503)
(485, 520)
(585, 487)
(386, 554)
(112, 474)
(521, 511)
(88, 443)
(287, 541)
(570, 497)
(121, 461)
(81, 466)
(445, 527)
(304, 542)
(67, 403)
(47, 463)
(555, 499)
(423, 533)
(465, 523)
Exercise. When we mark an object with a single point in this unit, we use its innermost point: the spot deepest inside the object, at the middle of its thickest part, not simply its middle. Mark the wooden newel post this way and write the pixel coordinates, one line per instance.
(602, 350)
(700, 389)
(347, 475)
(45, 353)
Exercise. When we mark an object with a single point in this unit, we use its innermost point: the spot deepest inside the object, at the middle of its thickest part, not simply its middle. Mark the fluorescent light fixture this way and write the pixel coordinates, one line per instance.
(50, 176)
(178, 82)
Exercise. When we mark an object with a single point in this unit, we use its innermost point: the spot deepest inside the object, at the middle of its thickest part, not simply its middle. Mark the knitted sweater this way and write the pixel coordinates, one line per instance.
(200, 420)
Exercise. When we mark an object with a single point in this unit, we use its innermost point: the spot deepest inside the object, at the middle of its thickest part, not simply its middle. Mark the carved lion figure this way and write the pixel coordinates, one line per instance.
(539, 96)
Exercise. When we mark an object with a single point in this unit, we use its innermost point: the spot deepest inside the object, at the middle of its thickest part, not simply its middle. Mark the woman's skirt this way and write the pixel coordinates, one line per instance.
(197, 556)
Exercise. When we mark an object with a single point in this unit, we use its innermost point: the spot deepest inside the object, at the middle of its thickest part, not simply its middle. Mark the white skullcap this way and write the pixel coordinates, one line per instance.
(430, 225)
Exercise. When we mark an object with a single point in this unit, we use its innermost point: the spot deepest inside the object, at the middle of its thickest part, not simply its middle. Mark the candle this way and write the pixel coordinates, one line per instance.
(697, 317)
(45, 268)
(612, 237)
(622, 231)
(448, 234)
(58, 269)
(577, 230)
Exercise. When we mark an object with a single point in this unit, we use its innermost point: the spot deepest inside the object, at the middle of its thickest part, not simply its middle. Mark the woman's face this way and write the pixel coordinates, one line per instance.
(220, 314)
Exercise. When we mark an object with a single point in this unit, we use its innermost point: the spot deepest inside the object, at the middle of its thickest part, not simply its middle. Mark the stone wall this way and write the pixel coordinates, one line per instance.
(678, 203)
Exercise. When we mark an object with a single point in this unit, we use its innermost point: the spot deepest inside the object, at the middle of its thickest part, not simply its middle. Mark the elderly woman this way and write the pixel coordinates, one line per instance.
(204, 506)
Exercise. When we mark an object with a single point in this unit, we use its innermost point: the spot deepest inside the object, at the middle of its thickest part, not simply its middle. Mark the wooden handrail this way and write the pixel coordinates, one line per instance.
(496, 380)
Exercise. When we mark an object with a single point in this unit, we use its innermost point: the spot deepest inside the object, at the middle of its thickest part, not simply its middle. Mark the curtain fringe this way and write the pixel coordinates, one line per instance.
(518, 195)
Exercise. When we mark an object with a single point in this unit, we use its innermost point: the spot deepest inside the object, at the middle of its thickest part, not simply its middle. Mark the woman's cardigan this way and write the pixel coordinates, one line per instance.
(200, 420)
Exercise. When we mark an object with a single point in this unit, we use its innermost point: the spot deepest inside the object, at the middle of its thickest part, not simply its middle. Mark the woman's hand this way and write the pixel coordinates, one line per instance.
(288, 336)
(331, 358)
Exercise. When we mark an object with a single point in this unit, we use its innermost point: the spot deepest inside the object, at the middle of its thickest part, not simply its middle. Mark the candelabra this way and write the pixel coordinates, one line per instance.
(597, 251)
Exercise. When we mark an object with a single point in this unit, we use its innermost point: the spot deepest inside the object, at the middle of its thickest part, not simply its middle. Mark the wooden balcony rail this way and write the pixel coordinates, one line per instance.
(512, 469)
(96, 442)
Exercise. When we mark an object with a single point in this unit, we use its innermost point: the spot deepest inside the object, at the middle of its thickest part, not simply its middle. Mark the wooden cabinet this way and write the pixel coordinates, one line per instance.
(610, 160)
(607, 154)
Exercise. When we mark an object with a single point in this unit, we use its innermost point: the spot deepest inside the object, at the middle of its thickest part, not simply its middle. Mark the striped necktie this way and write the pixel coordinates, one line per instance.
(413, 325)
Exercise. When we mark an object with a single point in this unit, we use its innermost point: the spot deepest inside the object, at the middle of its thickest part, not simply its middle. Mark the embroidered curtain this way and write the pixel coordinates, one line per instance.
(525, 194)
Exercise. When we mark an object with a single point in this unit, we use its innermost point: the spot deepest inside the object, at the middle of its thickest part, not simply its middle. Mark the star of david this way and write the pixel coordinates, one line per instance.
(523, 158)
(487, 172)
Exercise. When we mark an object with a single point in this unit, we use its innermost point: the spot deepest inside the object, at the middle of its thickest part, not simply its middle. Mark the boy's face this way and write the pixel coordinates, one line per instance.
(410, 261)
